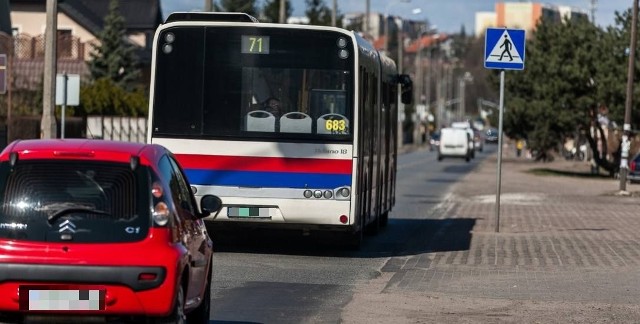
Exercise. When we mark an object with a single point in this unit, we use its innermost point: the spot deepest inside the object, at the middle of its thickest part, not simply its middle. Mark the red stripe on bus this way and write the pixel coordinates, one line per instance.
(274, 164)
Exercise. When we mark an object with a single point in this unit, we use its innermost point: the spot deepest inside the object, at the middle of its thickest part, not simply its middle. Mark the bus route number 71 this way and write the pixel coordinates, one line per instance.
(255, 44)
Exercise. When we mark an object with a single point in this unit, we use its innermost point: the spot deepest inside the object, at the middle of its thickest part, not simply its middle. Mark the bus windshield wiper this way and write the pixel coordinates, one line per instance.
(52, 218)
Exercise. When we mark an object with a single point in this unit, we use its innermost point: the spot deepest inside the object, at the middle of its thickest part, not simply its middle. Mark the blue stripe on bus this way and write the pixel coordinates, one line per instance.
(267, 179)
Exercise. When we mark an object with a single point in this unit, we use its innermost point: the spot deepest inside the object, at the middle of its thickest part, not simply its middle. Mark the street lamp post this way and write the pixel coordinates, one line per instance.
(624, 164)
(48, 124)
(386, 23)
(462, 81)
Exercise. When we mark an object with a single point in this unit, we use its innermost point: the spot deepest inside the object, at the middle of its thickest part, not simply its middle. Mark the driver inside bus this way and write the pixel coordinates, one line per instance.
(273, 106)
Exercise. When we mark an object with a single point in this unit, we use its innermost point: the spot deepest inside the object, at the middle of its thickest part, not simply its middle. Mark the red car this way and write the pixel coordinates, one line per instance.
(103, 229)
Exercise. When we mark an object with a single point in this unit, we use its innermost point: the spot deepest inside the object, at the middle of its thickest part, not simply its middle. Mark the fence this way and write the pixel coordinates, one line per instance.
(130, 129)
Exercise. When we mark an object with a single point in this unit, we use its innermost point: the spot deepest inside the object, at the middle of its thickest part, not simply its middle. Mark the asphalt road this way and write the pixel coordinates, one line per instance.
(275, 277)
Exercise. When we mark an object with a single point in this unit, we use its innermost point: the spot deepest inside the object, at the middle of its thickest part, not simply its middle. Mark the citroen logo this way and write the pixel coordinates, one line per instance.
(67, 226)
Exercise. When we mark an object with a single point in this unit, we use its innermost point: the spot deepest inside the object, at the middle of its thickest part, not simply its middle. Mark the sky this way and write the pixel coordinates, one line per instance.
(448, 16)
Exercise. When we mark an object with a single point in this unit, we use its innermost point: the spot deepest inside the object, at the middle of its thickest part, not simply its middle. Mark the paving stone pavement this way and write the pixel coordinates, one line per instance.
(561, 238)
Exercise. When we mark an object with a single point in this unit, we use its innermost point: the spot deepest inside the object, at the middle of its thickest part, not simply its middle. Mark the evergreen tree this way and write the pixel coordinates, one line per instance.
(319, 14)
(271, 11)
(245, 6)
(114, 56)
(552, 97)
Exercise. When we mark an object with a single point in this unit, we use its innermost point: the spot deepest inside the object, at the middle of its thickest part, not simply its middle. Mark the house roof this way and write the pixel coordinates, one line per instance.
(138, 14)
(424, 42)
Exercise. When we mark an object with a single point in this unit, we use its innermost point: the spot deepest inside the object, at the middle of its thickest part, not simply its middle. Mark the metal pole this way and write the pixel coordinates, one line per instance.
(282, 7)
(400, 45)
(366, 17)
(624, 163)
(333, 13)
(65, 78)
(461, 95)
(419, 75)
(48, 123)
(428, 75)
(9, 90)
(499, 170)
(386, 34)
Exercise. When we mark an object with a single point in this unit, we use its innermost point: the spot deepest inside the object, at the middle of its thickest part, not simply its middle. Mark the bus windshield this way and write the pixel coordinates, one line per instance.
(253, 83)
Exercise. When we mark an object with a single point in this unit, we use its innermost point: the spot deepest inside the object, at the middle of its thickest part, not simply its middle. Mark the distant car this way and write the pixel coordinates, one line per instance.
(434, 141)
(104, 229)
(491, 135)
(467, 127)
(478, 140)
(454, 142)
(634, 169)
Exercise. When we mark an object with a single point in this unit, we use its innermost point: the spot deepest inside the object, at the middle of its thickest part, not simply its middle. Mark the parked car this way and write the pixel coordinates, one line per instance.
(454, 142)
(491, 135)
(434, 141)
(478, 140)
(107, 229)
(634, 169)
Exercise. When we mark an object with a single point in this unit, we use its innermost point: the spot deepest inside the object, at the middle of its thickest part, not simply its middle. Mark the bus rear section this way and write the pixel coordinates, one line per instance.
(280, 185)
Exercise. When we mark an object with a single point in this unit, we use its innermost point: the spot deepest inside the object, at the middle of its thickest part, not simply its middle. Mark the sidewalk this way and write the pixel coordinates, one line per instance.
(567, 251)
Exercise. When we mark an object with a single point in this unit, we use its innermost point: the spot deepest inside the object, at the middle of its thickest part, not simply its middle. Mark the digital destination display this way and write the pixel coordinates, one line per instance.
(255, 44)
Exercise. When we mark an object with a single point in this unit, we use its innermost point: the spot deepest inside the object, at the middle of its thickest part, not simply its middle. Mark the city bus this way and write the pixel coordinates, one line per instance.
(325, 163)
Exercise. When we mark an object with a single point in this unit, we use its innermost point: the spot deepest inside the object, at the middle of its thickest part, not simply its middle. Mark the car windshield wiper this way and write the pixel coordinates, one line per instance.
(52, 218)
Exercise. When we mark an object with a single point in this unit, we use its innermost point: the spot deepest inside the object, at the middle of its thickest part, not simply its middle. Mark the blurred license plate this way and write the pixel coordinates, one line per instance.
(62, 299)
(261, 212)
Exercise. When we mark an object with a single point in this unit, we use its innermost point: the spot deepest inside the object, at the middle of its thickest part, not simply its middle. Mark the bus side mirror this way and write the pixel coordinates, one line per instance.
(406, 92)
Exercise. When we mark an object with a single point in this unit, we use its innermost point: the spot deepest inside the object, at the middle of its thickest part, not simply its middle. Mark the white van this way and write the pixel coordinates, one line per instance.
(454, 142)
(467, 127)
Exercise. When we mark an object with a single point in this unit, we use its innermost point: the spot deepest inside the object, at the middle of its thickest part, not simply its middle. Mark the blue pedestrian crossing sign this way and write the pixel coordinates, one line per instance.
(504, 49)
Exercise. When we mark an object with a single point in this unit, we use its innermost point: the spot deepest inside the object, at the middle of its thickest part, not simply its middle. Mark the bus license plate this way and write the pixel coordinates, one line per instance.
(258, 212)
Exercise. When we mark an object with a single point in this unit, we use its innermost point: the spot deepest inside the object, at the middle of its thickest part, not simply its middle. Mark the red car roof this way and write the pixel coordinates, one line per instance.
(81, 148)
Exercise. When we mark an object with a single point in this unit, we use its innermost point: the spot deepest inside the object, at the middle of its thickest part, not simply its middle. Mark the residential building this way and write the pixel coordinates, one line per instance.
(79, 23)
(484, 20)
(525, 15)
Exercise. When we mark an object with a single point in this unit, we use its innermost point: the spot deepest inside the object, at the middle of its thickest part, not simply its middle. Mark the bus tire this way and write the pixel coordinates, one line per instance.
(373, 228)
(384, 219)
(353, 240)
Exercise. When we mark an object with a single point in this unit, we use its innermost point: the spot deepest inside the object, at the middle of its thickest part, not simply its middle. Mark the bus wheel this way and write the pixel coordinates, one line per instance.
(384, 219)
(354, 239)
(374, 227)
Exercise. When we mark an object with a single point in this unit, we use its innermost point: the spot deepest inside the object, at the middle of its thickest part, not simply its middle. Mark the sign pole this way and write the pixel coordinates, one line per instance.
(505, 50)
(499, 170)
(64, 102)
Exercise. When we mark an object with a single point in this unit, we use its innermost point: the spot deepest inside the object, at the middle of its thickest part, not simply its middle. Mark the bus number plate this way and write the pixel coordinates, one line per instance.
(259, 212)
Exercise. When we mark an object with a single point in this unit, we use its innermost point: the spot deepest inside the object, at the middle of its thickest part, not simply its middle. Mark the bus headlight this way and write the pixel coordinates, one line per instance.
(308, 193)
(328, 194)
(317, 194)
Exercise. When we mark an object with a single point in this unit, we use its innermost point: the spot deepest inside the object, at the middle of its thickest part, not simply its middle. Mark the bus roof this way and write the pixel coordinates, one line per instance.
(211, 16)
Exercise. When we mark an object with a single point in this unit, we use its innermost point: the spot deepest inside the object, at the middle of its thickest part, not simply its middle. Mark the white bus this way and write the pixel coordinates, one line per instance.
(326, 162)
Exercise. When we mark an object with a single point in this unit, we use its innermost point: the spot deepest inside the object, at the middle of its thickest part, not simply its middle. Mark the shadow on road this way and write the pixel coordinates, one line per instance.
(401, 237)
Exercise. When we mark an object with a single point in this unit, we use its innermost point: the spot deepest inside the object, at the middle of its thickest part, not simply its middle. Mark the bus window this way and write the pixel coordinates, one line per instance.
(328, 101)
